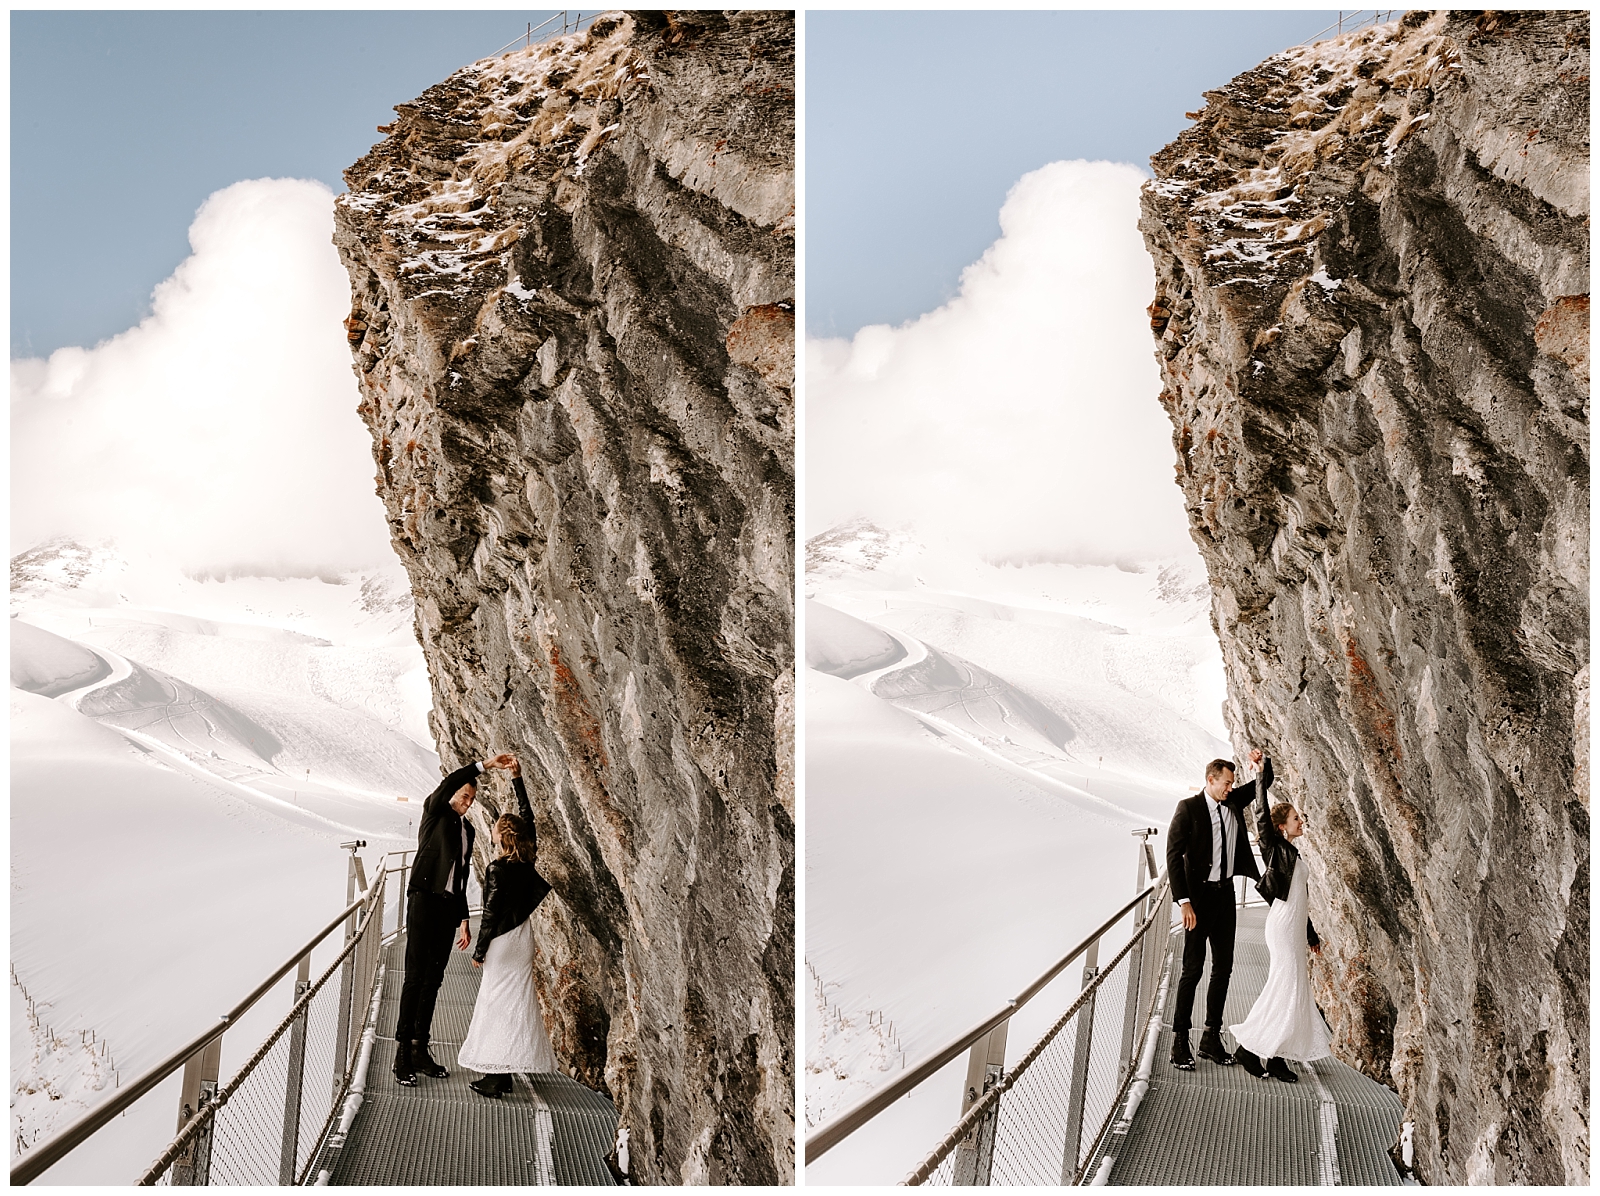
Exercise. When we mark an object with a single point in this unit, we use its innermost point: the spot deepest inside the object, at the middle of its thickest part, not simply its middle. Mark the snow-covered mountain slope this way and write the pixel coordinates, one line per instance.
(981, 741)
(186, 757)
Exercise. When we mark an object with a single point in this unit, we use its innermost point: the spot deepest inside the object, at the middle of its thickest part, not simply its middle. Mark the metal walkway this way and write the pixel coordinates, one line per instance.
(1218, 1125)
(549, 1130)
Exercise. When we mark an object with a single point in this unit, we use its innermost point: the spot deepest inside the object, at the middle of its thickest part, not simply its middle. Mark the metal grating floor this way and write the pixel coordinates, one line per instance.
(1219, 1125)
(549, 1130)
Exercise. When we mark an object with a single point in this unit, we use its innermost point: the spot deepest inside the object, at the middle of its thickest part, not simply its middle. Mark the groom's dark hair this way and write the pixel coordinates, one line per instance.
(1217, 767)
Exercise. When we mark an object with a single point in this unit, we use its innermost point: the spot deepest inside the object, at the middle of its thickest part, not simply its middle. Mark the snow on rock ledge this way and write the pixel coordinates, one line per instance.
(1371, 312)
(573, 324)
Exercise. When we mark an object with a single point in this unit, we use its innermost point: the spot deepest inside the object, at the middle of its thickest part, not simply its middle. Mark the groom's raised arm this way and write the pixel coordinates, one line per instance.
(447, 787)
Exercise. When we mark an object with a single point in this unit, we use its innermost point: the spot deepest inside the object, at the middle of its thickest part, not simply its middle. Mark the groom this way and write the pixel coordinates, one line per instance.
(1206, 849)
(436, 904)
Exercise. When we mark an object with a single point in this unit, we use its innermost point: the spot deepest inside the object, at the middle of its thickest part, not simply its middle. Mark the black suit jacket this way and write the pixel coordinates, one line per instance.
(1189, 837)
(439, 839)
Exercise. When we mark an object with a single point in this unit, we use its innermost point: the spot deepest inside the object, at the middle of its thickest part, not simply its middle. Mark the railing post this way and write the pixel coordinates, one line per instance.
(400, 897)
(986, 1064)
(1130, 1015)
(288, 1157)
(1080, 1069)
(347, 975)
(372, 945)
(192, 1168)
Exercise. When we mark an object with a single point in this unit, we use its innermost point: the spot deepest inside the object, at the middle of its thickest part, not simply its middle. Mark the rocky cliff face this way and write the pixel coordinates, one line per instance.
(573, 278)
(1372, 319)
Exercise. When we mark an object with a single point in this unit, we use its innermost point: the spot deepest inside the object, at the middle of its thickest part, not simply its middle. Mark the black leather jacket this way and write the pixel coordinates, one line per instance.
(511, 890)
(1279, 857)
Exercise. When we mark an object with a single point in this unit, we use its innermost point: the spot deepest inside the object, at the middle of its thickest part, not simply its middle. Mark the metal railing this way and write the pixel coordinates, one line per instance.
(986, 1041)
(268, 1123)
(1349, 21)
(1043, 1120)
(526, 36)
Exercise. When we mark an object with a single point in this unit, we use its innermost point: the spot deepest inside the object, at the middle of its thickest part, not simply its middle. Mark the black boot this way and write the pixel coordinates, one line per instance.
(1181, 1058)
(1279, 1070)
(1250, 1061)
(405, 1072)
(425, 1063)
(1211, 1048)
(493, 1084)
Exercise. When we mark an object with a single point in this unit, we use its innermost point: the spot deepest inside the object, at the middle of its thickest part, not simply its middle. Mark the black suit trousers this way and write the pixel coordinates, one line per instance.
(431, 923)
(1215, 919)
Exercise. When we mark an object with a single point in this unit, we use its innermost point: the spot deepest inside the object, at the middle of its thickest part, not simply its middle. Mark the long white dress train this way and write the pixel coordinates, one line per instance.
(507, 1032)
(1285, 1020)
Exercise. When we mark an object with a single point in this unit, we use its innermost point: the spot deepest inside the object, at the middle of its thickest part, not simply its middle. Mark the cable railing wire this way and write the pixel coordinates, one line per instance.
(46, 1154)
(240, 1135)
(853, 1118)
(1042, 1121)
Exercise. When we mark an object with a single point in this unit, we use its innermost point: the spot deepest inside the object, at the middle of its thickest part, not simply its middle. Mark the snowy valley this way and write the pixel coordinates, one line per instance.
(981, 740)
(187, 754)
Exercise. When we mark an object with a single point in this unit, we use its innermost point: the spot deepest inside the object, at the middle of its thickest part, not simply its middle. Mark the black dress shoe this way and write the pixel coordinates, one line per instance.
(1181, 1058)
(426, 1063)
(1212, 1050)
(1279, 1070)
(494, 1084)
(1250, 1061)
(405, 1073)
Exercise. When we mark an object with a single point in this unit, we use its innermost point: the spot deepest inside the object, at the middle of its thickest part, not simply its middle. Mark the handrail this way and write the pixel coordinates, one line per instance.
(991, 1097)
(41, 1158)
(1354, 23)
(194, 1125)
(865, 1110)
(532, 29)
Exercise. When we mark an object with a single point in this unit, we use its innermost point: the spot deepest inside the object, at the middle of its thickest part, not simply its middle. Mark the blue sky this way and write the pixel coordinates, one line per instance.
(918, 123)
(122, 123)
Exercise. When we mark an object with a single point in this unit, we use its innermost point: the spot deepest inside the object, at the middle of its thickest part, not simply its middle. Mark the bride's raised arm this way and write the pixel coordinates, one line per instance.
(1265, 831)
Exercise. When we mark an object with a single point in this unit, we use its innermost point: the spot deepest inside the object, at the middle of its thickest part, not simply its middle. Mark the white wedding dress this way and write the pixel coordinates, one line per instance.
(1285, 1020)
(507, 1032)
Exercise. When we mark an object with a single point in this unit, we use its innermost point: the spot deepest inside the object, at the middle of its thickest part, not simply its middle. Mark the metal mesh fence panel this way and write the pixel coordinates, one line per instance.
(246, 1138)
(1040, 1123)
(267, 1123)
(321, 1080)
(1064, 1096)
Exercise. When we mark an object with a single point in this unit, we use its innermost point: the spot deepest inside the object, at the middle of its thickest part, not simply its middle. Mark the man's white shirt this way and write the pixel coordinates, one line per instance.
(1218, 812)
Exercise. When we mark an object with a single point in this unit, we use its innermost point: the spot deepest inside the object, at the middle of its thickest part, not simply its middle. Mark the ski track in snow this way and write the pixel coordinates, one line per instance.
(168, 845)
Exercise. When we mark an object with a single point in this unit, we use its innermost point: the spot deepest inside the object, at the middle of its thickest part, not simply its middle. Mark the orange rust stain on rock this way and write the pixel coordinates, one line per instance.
(1378, 734)
(1368, 701)
(585, 739)
(763, 339)
(1563, 332)
(569, 699)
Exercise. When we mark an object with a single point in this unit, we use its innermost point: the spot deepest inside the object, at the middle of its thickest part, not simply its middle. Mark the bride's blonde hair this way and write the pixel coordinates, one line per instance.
(515, 843)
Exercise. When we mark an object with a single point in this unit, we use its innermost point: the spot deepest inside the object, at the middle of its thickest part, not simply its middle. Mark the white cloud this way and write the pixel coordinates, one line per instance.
(1021, 419)
(220, 433)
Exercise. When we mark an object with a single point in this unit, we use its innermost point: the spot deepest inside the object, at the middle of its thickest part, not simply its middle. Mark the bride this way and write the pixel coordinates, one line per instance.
(1284, 1022)
(507, 1032)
